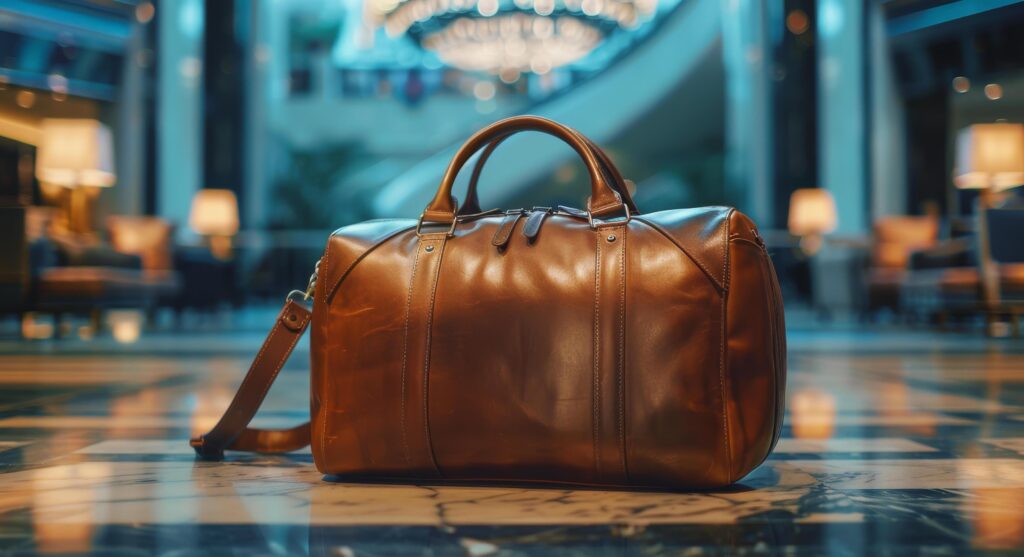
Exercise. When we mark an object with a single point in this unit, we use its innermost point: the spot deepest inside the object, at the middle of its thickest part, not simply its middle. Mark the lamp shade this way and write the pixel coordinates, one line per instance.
(214, 213)
(812, 211)
(990, 155)
(75, 152)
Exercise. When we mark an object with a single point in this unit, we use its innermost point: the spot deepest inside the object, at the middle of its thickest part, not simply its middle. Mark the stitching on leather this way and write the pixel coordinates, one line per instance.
(725, 247)
(326, 395)
(700, 264)
(426, 357)
(622, 352)
(405, 348)
(595, 401)
(327, 297)
(321, 288)
(259, 355)
(745, 241)
(277, 367)
(722, 353)
(382, 241)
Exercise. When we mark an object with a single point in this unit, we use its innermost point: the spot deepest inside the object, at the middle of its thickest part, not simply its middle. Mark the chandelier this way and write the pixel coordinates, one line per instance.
(502, 36)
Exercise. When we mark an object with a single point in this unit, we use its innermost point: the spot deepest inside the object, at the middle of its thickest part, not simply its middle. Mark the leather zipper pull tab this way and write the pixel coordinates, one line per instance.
(533, 223)
(504, 232)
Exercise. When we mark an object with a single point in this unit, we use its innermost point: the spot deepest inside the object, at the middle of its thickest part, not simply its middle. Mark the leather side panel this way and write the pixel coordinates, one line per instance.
(360, 373)
(348, 244)
(344, 248)
(752, 351)
(700, 233)
(673, 399)
(317, 368)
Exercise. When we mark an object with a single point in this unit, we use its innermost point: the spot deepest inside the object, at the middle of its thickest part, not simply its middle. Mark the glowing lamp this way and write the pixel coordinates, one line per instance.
(214, 215)
(75, 152)
(75, 157)
(990, 156)
(812, 213)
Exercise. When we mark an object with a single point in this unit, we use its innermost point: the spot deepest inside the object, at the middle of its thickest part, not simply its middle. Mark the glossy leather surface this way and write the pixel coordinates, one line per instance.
(539, 346)
(647, 352)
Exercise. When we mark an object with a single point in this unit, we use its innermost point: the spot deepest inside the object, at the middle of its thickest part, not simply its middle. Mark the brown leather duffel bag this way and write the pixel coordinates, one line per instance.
(601, 347)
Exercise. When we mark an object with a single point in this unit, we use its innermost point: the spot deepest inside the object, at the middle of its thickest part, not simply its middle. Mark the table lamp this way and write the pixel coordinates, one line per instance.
(812, 214)
(989, 158)
(214, 215)
(76, 155)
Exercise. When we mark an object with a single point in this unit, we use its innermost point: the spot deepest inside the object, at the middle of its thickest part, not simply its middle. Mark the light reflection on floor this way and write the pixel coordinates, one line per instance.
(911, 442)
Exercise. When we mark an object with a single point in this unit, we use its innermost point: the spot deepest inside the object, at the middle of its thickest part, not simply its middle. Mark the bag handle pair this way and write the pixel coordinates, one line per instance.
(604, 197)
(472, 203)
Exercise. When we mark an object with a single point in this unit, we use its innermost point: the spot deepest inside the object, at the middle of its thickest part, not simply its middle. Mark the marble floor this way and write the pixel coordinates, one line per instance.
(895, 443)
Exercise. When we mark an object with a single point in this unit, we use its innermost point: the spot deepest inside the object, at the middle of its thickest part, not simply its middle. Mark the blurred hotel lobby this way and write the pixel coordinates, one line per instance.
(171, 169)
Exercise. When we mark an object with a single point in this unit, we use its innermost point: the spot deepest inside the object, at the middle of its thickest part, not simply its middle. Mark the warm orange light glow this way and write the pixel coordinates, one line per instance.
(994, 91)
(214, 213)
(75, 152)
(25, 99)
(812, 211)
(813, 414)
(144, 12)
(961, 84)
(34, 329)
(990, 155)
(73, 486)
(125, 325)
(797, 22)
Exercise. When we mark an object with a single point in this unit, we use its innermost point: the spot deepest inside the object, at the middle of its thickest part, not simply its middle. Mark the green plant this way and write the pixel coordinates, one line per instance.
(307, 194)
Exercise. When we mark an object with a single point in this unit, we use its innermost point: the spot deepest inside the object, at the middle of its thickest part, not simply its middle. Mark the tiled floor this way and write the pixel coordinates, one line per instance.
(894, 443)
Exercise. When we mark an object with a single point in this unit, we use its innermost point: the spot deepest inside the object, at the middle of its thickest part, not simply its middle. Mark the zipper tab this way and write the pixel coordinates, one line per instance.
(533, 223)
(757, 237)
(504, 232)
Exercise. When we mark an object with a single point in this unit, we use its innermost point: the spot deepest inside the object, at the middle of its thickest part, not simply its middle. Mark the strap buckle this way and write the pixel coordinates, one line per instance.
(590, 216)
(450, 233)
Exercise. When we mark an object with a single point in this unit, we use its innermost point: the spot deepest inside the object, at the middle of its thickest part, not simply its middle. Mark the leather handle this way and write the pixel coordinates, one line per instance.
(604, 199)
(472, 203)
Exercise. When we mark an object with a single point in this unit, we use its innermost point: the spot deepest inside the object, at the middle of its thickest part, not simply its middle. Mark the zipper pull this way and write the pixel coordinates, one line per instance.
(504, 232)
(758, 238)
(533, 223)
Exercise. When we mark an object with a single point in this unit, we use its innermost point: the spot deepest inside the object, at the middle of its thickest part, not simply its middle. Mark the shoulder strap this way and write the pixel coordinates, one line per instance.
(232, 431)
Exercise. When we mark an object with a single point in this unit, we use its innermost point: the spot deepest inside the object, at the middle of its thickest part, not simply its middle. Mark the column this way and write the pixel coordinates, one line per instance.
(842, 139)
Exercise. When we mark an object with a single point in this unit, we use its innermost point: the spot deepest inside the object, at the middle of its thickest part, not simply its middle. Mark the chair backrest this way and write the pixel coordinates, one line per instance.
(896, 237)
(151, 238)
(1006, 235)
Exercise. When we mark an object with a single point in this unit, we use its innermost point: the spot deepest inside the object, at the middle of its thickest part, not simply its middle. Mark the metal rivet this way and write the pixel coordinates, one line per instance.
(292, 318)
(611, 237)
(430, 249)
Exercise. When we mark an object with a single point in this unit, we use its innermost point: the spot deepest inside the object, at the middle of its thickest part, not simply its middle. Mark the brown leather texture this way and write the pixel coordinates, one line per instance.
(232, 432)
(618, 349)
